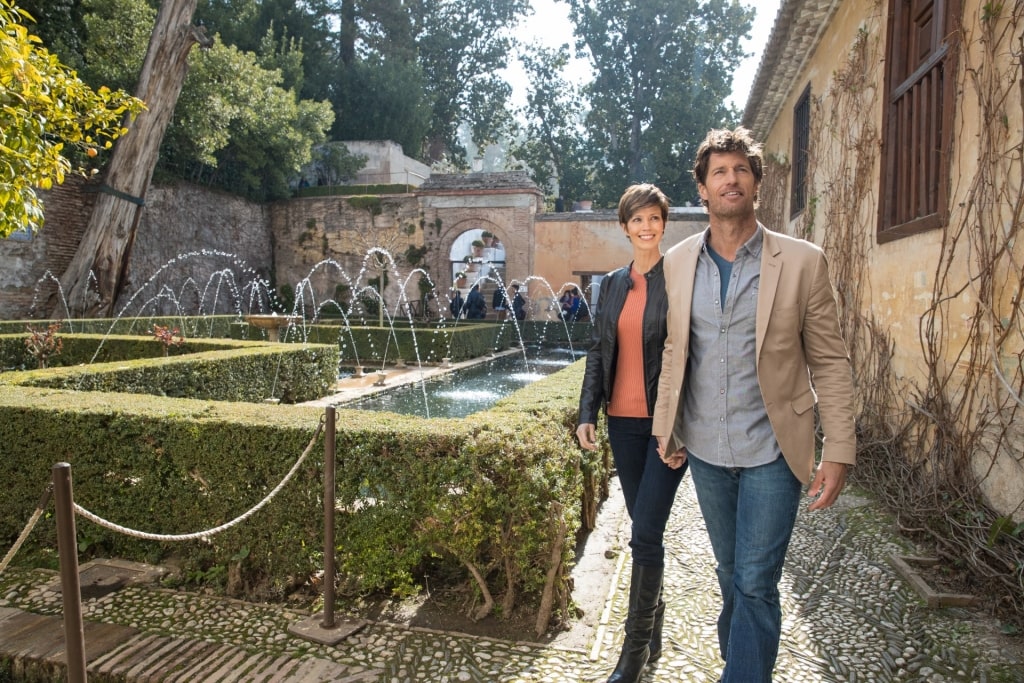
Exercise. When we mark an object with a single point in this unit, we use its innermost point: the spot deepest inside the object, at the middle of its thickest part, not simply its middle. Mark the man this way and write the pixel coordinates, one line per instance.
(571, 305)
(499, 301)
(476, 307)
(753, 341)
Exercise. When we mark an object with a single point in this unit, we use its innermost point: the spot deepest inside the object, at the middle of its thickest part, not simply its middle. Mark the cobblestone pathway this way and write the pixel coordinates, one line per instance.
(848, 616)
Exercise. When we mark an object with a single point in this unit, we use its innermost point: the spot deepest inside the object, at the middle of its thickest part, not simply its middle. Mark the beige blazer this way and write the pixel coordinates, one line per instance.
(801, 357)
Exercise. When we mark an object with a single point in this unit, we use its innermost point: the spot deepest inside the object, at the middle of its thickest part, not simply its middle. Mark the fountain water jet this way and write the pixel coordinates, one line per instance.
(248, 298)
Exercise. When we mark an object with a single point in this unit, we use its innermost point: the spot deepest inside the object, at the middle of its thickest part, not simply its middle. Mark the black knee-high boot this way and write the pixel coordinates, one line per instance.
(659, 624)
(644, 590)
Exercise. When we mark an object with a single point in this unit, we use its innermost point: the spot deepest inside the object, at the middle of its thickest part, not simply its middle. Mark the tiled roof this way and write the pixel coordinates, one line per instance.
(511, 180)
(795, 35)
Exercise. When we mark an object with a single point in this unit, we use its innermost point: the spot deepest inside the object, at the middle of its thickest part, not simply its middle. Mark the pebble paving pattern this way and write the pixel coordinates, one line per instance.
(848, 617)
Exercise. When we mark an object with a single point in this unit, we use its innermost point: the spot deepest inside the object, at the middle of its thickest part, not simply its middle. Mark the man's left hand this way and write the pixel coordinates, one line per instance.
(828, 482)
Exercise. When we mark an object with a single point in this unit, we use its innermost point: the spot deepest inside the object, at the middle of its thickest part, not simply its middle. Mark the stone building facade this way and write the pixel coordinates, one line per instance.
(199, 250)
(893, 133)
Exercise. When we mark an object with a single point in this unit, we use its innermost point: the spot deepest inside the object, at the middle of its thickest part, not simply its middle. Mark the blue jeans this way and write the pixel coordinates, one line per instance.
(749, 513)
(648, 485)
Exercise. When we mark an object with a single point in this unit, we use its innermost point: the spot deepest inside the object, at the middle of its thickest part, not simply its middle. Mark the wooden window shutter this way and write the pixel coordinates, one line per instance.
(918, 118)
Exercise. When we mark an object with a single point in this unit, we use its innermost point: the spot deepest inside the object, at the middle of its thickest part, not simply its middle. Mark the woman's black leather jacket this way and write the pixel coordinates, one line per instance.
(603, 351)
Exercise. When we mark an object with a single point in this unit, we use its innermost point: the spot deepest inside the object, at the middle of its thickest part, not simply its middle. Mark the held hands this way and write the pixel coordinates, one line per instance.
(674, 461)
(827, 483)
(587, 435)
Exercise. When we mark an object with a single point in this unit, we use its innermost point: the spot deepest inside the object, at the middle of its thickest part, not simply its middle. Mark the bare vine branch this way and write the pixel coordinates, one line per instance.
(928, 444)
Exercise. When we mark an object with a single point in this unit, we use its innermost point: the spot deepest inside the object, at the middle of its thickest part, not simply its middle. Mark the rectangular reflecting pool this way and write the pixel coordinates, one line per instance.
(469, 389)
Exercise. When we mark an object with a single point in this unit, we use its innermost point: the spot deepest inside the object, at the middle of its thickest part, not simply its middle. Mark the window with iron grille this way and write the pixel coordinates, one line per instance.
(918, 120)
(801, 141)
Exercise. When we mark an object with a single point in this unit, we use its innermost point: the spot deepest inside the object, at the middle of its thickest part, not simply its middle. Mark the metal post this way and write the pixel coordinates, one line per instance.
(67, 549)
(329, 483)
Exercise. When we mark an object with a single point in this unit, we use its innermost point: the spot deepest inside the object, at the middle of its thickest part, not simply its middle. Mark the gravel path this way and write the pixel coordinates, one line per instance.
(848, 616)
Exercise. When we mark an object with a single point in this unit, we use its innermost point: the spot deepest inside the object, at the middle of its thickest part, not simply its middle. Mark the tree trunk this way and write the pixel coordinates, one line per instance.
(102, 255)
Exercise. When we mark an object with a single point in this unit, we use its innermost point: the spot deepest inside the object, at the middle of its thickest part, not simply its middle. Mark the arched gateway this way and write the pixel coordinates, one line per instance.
(318, 240)
(458, 209)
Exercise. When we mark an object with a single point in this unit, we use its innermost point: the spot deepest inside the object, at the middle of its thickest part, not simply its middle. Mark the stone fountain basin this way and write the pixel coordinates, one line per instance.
(271, 322)
(268, 321)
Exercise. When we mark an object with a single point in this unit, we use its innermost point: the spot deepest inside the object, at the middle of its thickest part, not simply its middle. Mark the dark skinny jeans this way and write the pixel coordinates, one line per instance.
(648, 485)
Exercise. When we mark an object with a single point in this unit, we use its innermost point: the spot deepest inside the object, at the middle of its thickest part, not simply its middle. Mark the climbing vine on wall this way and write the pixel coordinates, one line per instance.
(842, 121)
(927, 444)
(771, 196)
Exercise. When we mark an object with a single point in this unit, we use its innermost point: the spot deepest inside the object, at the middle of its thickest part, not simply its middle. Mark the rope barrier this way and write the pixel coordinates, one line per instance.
(209, 532)
(43, 502)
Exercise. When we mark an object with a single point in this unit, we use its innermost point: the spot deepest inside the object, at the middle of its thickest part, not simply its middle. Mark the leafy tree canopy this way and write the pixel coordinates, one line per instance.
(426, 74)
(235, 127)
(59, 24)
(382, 99)
(117, 36)
(46, 114)
(554, 142)
(269, 27)
(461, 44)
(238, 123)
(663, 72)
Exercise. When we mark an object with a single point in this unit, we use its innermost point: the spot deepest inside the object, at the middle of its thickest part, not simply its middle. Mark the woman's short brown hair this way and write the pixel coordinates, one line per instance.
(639, 196)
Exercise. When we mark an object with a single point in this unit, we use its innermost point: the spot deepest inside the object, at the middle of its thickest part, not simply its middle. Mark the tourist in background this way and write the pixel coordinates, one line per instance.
(476, 307)
(499, 302)
(518, 303)
(569, 304)
(753, 341)
(621, 376)
(456, 303)
(565, 303)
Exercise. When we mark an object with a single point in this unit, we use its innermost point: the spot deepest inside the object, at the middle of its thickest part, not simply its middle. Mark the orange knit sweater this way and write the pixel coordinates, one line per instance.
(629, 394)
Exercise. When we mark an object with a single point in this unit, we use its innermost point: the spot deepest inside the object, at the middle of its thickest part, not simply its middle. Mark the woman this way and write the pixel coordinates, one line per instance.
(518, 303)
(621, 375)
(565, 303)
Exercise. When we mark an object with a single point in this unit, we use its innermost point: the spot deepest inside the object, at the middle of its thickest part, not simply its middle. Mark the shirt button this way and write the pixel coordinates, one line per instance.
(723, 330)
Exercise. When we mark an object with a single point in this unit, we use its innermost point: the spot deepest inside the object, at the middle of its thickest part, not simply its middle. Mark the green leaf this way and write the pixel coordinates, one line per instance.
(1002, 525)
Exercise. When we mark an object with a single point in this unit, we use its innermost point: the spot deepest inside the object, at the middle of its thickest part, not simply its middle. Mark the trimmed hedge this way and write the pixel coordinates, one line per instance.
(228, 371)
(495, 495)
(354, 190)
(208, 326)
(428, 341)
(557, 332)
(165, 466)
(82, 349)
(425, 342)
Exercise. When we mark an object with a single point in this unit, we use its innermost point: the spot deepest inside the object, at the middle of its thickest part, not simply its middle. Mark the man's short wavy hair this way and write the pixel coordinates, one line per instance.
(722, 140)
(639, 196)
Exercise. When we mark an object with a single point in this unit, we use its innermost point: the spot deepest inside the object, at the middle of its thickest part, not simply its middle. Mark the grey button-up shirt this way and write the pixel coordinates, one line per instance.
(724, 419)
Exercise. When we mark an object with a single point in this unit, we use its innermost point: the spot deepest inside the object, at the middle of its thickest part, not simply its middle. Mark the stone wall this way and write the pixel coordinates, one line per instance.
(897, 284)
(201, 250)
(195, 250)
(30, 268)
(198, 250)
(387, 163)
(573, 248)
(320, 243)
